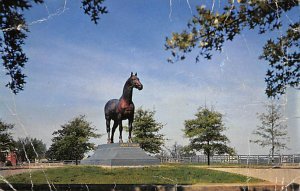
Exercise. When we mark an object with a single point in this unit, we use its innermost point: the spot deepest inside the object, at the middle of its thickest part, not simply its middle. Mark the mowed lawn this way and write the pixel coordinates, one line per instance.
(165, 174)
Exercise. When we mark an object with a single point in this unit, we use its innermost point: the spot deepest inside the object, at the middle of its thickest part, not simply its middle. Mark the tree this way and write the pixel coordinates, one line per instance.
(208, 31)
(146, 131)
(179, 151)
(14, 28)
(30, 149)
(205, 133)
(6, 140)
(72, 141)
(272, 132)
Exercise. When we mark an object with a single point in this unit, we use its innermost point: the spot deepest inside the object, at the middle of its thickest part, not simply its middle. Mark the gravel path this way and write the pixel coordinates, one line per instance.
(283, 176)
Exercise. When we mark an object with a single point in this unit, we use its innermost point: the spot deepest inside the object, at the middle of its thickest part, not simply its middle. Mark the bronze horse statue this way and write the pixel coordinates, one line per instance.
(122, 109)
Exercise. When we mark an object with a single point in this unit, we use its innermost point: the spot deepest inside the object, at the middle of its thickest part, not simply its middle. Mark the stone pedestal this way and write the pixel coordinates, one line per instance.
(120, 154)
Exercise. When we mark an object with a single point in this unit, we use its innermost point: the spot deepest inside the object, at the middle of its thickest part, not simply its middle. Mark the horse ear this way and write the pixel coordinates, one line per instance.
(136, 74)
(131, 74)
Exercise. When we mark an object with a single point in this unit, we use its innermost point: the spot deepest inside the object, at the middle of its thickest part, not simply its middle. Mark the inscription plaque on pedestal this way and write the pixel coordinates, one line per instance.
(129, 145)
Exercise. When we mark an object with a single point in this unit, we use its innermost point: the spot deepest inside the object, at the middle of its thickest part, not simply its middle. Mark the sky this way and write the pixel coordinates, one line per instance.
(75, 67)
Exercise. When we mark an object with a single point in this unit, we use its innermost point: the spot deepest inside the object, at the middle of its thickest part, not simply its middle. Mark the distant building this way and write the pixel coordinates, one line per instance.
(10, 157)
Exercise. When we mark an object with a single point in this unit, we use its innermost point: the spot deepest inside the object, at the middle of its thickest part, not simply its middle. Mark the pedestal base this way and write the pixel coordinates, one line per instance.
(120, 154)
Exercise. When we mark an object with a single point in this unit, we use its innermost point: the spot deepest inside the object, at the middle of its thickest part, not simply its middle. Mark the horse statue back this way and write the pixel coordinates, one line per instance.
(122, 109)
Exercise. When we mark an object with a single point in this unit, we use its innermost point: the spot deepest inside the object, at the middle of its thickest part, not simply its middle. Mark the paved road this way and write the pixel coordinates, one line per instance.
(282, 176)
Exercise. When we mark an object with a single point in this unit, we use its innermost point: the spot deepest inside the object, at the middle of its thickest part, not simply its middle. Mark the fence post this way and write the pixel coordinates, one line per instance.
(293, 159)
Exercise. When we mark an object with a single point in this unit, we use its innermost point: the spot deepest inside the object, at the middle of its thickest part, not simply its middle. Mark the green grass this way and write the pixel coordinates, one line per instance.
(167, 174)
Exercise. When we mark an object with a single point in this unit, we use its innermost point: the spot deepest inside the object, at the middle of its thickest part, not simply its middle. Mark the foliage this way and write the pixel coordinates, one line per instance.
(205, 133)
(284, 58)
(94, 9)
(186, 151)
(272, 132)
(14, 27)
(179, 151)
(146, 131)
(207, 31)
(2, 157)
(30, 149)
(6, 139)
(72, 141)
(166, 174)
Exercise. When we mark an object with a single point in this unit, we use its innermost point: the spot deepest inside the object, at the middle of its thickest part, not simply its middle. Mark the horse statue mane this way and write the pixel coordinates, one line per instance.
(122, 109)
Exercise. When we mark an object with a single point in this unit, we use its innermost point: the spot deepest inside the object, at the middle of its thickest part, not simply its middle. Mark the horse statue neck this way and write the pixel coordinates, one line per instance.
(127, 91)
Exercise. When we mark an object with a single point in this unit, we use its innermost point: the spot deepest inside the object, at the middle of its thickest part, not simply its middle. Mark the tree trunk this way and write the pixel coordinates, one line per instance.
(272, 134)
(208, 154)
(76, 161)
(208, 158)
(272, 153)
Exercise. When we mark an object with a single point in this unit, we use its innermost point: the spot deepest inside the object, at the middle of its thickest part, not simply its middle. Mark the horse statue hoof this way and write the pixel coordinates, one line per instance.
(120, 141)
(129, 140)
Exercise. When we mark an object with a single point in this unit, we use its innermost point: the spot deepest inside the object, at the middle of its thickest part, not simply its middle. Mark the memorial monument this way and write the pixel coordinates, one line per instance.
(121, 154)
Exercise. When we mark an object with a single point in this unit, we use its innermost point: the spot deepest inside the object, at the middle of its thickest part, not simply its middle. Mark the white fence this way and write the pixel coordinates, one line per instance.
(238, 159)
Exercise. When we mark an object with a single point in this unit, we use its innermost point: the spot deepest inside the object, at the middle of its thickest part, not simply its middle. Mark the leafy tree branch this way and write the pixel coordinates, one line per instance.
(208, 31)
(14, 27)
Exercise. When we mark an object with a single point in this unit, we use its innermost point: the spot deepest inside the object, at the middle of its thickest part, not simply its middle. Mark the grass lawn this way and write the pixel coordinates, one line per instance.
(166, 174)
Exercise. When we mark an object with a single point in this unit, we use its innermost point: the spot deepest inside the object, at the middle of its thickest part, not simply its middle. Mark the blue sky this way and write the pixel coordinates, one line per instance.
(75, 66)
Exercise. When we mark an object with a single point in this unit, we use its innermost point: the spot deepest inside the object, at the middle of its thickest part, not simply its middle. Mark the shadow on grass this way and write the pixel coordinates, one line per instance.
(140, 187)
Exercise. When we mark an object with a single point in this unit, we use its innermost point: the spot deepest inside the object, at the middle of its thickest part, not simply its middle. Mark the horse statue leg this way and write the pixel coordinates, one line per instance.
(115, 125)
(108, 130)
(120, 129)
(130, 129)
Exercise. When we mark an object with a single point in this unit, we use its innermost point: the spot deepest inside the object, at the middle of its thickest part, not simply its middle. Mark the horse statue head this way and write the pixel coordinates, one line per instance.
(134, 81)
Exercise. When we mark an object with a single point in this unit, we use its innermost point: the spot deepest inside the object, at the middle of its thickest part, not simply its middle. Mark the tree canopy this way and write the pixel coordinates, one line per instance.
(30, 149)
(146, 131)
(208, 31)
(6, 139)
(71, 142)
(14, 27)
(205, 133)
(178, 151)
(272, 132)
